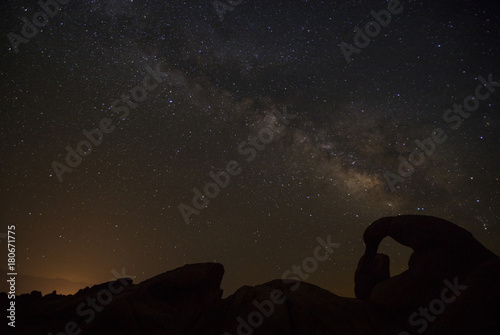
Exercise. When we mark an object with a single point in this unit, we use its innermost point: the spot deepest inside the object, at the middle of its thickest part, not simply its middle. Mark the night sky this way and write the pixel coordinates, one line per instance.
(171, 92)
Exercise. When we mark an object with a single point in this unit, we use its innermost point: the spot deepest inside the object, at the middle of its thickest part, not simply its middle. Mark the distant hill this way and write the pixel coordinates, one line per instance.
(451, 287)
(27, 284)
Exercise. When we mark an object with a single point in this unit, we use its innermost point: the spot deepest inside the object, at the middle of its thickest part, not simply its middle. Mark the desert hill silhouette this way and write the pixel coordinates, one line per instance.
(452, 286)
(25, 283)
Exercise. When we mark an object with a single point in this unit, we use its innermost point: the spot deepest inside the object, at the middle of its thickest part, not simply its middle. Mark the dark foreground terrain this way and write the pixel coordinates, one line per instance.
(452, 286)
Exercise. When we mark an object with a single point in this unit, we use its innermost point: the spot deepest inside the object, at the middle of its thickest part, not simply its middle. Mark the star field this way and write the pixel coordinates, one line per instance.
(322, 174)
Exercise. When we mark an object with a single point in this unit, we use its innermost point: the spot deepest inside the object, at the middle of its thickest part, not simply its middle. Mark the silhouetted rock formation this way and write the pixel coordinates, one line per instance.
(371, 270)
(188, 300)
(25, 283)
(443, 253)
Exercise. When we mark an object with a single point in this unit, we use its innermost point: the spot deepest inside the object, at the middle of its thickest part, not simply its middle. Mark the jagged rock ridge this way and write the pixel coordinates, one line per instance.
(188, 300)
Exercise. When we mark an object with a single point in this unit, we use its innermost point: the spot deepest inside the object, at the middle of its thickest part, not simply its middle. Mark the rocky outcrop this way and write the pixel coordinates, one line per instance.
(295, 309)
(452, 286)
(170, 302)
(445, 258)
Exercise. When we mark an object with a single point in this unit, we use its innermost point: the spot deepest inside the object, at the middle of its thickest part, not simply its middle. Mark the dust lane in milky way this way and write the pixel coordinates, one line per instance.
(177, 113)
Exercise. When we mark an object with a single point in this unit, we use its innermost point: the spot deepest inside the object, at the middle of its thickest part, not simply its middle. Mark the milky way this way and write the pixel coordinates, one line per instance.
(215, 80)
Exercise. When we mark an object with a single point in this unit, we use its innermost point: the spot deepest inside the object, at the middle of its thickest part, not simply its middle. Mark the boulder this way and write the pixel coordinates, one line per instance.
(451, 282)
(452, 286)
